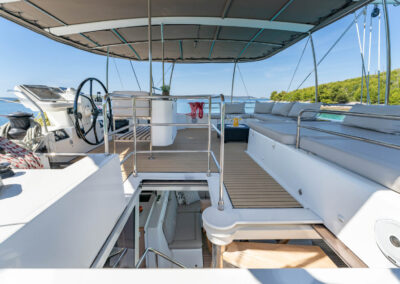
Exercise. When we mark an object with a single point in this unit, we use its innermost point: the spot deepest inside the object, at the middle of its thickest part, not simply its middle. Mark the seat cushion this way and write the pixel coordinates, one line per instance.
(271, 117)
(282, 108)
(234, 108)
(297, 107)
(378, 163)
(263, 107)
(188, 232)
(377, 124)
(356, 131)
(283, 132)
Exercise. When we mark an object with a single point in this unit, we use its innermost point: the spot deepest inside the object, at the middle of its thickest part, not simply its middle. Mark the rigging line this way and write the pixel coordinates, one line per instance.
(298, 63)
(165, 74)
(119, 75)
(369, 60)
(327, 53)
(362, 55)
(134, 73)
(241, 77)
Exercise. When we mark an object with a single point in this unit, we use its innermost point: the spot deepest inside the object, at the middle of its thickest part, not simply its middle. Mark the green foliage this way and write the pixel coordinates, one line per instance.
(165, 89)
(346, 91)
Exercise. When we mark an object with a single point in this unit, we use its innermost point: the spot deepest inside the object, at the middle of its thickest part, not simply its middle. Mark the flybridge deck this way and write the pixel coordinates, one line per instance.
(247, 184)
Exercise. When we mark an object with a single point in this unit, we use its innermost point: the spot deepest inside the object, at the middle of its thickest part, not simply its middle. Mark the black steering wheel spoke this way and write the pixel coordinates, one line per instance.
(95, 113)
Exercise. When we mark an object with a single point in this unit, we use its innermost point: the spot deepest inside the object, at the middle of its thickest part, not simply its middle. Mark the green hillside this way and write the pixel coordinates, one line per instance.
(346, 91)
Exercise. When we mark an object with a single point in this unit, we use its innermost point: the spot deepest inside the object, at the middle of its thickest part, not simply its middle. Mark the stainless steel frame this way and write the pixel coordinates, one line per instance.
(315, 67)
(158, 253)
(209, 125)
(299, 126)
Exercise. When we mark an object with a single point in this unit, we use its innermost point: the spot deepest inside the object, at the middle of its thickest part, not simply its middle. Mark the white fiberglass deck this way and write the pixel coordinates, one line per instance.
(248, 185)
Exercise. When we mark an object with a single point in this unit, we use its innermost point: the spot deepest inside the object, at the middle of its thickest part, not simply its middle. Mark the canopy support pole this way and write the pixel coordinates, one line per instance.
(369, 60)
(233, 80)
(315, 68)
(162, 46)
(170, 77)
(149, 35)
(379, 59)
(107, 64)
(388, 52)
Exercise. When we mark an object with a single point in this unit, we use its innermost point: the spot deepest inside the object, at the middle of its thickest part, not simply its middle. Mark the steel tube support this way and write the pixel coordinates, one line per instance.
(134, 138)
(149, 35)
(315, 67)
(388, 52)
(379, 59)
(218, 256)
(222, 156)
(170, 77)
(162, 54)
(209, 139)
(107, 66)
(233, 80)
(105, 125)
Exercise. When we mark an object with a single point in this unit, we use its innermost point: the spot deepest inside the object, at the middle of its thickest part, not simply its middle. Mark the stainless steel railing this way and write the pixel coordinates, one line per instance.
(209, 125)
(359, 114)
(158, 253)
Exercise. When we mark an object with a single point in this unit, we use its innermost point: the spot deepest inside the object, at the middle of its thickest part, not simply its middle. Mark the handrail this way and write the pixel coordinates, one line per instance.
(359, 114)
(160, 254)
(209, 125)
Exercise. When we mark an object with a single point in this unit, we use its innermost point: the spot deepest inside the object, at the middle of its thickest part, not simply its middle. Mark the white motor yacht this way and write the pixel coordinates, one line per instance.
(120, 179)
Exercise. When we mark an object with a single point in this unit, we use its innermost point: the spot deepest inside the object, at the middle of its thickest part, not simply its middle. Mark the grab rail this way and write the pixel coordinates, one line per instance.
(209, 125)
(166, 257)
(359, 114)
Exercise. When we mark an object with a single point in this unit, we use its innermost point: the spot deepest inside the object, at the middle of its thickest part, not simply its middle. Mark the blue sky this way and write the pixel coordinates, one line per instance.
(29, 58)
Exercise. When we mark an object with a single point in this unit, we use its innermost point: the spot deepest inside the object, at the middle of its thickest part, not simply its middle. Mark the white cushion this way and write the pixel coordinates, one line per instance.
(234, 108)
(191, 197)
(377, 124)
(263, 107)
(297, 107)
(282, 108)
(378, 163)
(271, 117)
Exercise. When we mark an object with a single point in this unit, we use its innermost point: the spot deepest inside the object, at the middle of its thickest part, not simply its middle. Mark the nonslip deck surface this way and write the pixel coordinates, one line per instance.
(248, 185)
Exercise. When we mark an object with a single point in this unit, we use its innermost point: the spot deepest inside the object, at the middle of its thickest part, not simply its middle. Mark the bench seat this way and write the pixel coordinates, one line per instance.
(283, 132)
(378, 163)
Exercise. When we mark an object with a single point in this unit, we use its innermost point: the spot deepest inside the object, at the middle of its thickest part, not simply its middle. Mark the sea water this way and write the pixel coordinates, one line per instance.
(8, 108)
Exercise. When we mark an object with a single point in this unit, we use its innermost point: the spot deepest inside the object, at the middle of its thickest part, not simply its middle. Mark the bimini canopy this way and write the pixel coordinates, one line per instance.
(193, 30)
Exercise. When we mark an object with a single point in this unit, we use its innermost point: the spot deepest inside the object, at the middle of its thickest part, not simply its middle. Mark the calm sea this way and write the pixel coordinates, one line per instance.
(7, 108)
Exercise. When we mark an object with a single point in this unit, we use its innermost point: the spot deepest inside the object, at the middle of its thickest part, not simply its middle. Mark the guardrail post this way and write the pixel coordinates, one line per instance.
(105, 125)
(217, 256)
(222, 156)
(134, 137)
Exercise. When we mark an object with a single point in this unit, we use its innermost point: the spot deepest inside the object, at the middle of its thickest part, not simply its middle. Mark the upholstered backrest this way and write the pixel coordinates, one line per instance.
(297, 107)
(169, 224)
(263, 107)
(377, 124)
(234, 108)
(282, 108)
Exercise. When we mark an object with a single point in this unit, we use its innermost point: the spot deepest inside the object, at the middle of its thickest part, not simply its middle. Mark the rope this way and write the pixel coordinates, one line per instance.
(362, 56)
(33, 137)
(241, 77)
(119, 76)
(298, 63)
(326, 54)
(134, 73)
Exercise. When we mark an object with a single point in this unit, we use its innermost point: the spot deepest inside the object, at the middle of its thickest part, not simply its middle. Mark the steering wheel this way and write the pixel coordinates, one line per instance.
(88, 115)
